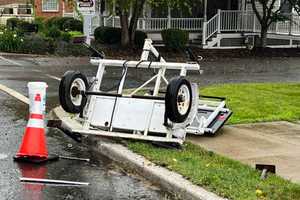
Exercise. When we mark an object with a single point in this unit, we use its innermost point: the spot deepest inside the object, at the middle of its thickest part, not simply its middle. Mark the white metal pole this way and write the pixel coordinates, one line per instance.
(204, 22)
(219, 21)
(169, 17)
(87, 27)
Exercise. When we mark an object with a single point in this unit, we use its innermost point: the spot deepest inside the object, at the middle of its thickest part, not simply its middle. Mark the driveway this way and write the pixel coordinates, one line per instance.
(275, 143)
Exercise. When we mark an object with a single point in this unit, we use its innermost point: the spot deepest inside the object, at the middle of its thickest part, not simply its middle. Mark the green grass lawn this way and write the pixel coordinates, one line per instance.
(259, 102)
(226, 177)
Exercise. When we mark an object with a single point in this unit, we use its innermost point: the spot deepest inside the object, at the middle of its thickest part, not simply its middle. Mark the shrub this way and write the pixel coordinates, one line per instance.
(60, 21)
(10, 41)
(75, 33)
(70, 49)
(53, 32)
(12, 23)
(26, 27)
(21, 26)
(40, 23)
(174, 38)
(72, 25)
(65, 24)
(65, 36)
(52, 22)
(36, 44)
(139, 39)
(108, 35)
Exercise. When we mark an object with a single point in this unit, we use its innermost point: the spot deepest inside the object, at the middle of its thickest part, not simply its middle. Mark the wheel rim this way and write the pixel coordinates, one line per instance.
(183, 99)
(77, 85)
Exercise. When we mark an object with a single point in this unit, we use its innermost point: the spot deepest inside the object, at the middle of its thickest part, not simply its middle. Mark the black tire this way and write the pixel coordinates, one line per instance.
(172, 100)
(65, 96)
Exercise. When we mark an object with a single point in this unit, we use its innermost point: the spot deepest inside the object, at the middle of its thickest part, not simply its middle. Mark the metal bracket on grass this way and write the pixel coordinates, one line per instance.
(265, 169)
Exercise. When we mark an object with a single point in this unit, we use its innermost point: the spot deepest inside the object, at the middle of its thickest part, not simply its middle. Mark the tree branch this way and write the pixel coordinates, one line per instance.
(256, 11)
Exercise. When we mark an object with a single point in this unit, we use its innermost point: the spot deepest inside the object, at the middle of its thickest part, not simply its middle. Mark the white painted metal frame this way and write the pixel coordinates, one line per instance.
(205, 122)
(124, 111)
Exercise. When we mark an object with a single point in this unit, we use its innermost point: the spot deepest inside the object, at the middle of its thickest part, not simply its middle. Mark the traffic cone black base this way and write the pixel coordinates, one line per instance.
(36, 160)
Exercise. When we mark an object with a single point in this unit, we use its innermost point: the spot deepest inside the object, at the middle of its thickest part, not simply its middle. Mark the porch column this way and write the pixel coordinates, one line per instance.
(169, 17)
(204, 22)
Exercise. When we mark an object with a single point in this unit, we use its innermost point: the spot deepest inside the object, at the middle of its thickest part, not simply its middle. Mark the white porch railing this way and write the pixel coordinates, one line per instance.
(240, 21)
(159, 24)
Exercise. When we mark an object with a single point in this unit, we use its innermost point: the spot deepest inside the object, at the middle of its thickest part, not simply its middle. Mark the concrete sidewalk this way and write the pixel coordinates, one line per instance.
(276, 143)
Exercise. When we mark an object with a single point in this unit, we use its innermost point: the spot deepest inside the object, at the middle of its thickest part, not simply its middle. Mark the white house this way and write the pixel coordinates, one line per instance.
(229, 24)
(22, 9)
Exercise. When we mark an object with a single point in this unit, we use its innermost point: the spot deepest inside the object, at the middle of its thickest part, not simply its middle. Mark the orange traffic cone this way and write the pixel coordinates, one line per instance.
(34, 141)
(33, 147)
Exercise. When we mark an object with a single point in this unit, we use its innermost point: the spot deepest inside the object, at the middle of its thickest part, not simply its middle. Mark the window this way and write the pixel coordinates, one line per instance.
(8, 11)
(24, 9)
(50, 5)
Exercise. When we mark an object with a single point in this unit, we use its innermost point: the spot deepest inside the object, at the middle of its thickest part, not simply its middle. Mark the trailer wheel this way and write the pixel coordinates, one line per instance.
(178, 99)
(70, 88)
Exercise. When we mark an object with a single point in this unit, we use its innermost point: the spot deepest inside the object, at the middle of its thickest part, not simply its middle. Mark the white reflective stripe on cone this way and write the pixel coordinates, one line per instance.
(35, 123)
(37, 108)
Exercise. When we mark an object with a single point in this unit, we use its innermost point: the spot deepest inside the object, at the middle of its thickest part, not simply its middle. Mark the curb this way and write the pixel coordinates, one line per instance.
(168, 180)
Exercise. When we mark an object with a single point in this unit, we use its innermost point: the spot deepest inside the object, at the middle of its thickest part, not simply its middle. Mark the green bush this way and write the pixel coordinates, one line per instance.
(75, 33)
(36, 44)
(139, 39)
(51, 22)
(40, 23)
(26, 27)
(53, 32)
(174, 38)
(21, 26)
(65, 24)
(65, 36)
(60, 21)
(10, 41)
(72, 25)
(12, 23)
(108, 35)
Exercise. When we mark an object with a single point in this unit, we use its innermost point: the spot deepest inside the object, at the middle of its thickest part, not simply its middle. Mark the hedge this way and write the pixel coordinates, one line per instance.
(174, 38)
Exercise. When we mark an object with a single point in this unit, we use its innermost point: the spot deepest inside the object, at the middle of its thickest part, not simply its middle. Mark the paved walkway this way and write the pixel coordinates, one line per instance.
(276, 143)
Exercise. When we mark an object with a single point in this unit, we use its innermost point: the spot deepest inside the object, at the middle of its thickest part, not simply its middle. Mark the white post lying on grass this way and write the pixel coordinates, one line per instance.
(49, 181)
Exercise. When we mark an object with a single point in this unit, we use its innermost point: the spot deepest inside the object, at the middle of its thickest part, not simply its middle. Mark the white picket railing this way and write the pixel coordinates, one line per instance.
(212, 26)
(158, 24)
(240, 21)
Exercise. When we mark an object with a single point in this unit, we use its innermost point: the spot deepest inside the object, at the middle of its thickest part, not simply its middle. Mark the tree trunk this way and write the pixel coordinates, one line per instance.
(263, 37)
(137, 10)
(124, 30)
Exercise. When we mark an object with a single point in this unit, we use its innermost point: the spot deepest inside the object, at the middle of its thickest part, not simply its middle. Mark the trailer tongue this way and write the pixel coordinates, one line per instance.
(145, 117)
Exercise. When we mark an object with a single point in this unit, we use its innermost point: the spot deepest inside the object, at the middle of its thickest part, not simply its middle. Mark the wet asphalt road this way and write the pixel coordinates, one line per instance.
(107, 180)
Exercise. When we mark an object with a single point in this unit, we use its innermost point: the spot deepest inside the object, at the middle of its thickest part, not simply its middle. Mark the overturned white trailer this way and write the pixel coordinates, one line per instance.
(150, 116)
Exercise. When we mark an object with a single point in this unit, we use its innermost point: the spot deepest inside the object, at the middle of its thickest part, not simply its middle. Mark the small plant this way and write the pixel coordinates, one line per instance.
(175, 39)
